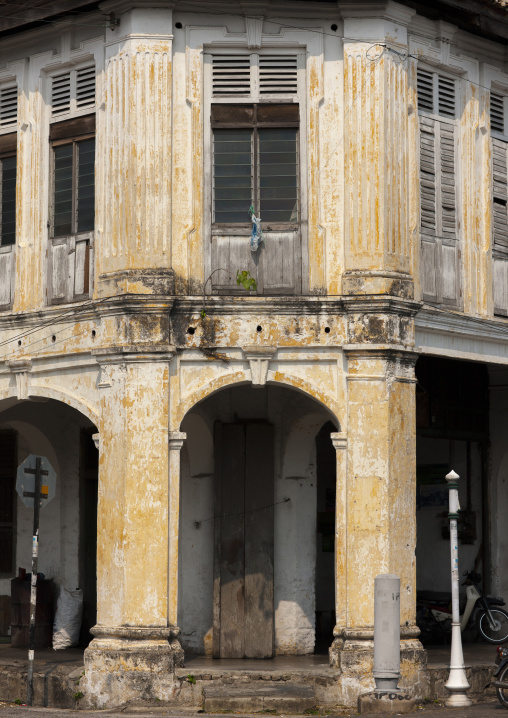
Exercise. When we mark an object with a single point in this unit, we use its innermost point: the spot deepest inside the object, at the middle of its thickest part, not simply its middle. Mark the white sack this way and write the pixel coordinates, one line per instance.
(67, 625)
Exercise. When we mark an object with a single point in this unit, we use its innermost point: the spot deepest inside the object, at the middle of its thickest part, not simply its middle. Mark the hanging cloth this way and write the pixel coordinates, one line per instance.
(256, 236)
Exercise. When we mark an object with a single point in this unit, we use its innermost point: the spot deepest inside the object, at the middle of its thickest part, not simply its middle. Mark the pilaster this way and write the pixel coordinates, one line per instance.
(134, 138)
(136, 644)
(377, 208)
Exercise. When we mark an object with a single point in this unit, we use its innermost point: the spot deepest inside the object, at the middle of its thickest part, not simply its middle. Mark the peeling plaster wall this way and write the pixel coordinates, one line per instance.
(296, 422)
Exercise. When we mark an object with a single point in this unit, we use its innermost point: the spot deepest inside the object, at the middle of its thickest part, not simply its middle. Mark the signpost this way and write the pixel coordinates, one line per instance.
(35, 483)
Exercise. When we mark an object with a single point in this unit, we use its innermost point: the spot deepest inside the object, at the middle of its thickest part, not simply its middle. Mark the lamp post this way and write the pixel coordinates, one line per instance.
(457, 682)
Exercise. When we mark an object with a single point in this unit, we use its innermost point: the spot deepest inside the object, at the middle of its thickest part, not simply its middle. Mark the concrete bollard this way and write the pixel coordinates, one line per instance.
(387, 697)
(386, 632)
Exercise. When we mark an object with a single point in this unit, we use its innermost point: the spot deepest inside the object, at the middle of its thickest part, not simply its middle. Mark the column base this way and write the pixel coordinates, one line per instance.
(128, 663)
(396, 284)
(352, 651)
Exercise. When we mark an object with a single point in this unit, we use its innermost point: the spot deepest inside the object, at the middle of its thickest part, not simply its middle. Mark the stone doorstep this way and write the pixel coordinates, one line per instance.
(282, 697)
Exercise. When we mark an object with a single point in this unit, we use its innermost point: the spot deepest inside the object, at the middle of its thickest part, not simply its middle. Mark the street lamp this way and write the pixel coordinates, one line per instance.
(457, 682)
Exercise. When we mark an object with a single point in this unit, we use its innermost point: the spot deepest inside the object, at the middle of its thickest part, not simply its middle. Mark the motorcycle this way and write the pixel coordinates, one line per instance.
(434, 616)
(501, 675)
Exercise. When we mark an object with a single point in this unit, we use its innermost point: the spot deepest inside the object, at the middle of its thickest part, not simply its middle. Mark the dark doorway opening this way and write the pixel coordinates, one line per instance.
(325, 539)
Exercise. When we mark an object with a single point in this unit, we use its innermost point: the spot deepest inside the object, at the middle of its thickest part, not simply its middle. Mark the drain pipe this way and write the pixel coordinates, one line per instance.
(386, 632)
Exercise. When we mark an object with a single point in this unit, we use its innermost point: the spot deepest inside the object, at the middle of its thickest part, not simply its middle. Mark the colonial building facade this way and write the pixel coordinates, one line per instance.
(241, 439)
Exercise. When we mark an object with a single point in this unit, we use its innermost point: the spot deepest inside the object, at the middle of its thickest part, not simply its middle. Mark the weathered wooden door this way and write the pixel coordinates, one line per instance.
(243, 563)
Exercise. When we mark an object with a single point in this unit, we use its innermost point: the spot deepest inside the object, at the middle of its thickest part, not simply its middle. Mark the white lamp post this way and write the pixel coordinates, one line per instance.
(457, 682)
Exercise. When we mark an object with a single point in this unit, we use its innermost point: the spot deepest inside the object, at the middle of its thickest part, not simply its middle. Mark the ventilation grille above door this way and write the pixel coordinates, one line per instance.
(73, 90)
(234, 75)
(8, 105)
(497, 112)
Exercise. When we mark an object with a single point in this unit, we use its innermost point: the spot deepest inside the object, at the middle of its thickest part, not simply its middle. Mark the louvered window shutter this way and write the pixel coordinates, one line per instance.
(500, 194)
(425, 87)
(85, 87)
(448, 190)
(231, 74)
(278, 74)
(428, 174)
(73, 90)
(61, 93)
(436, 93)
(497, 114)
(8, 105)
(234, 75)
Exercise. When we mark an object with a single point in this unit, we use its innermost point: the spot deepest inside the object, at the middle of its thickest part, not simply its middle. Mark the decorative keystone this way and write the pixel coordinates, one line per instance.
(259, 359)
(20, 368)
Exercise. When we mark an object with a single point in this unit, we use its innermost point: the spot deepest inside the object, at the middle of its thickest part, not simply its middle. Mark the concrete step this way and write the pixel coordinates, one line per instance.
(252, 698)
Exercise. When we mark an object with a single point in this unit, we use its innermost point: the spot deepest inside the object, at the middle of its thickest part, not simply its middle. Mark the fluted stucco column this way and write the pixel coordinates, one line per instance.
(133, 247)
(136, 643)
(376, 151)
(379, 533)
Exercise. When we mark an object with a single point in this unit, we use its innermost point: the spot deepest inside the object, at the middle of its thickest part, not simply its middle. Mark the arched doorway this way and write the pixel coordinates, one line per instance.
(68, 524)
(248, 522)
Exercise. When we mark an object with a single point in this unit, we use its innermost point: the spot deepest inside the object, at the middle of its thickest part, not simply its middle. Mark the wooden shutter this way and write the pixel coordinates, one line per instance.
(500, 194)
(500, 225)
(440, 267)
(73, 90)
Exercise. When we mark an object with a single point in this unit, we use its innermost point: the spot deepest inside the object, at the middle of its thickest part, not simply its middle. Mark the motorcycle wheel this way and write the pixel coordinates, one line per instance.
(486, 631)
(502, 693)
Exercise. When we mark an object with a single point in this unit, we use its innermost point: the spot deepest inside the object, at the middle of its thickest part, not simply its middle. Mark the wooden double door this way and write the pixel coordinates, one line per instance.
(243, 615)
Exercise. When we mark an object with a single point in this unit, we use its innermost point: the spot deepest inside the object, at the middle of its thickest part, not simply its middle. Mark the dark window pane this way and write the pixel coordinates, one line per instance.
(86, 185)
(8, 201)
(232, 174)
(229, 217)
(62, 199)
(278, 174)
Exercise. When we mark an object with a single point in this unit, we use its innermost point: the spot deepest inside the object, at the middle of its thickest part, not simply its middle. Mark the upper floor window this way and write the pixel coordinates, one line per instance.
(499, 130)
(73, 90)
(72, 210)
(255, 163)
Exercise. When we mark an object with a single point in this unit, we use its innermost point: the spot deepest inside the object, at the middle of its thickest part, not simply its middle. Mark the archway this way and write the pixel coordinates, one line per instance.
(67, 534)
(268, 495)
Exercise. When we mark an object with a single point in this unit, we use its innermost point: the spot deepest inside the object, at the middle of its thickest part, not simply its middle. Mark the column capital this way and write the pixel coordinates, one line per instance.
(339, 440)
(176, 439)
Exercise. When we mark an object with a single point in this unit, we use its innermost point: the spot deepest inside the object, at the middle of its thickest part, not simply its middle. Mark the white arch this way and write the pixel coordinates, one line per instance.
(300, 443)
